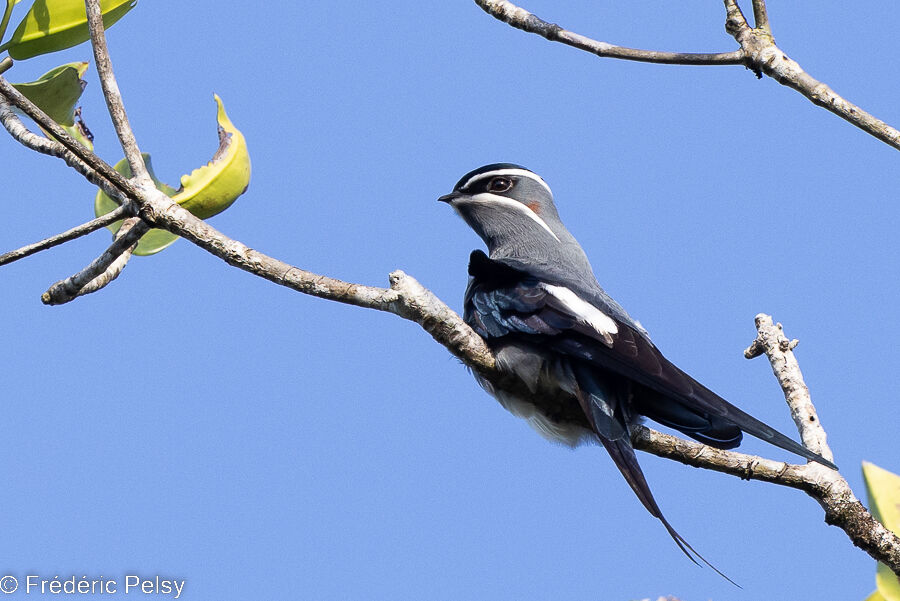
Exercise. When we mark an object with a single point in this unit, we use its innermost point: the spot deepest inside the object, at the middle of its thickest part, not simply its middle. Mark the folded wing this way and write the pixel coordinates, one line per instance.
(507, 299)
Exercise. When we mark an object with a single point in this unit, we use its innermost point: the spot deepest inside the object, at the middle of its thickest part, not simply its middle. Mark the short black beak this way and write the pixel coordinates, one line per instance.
(449, 197)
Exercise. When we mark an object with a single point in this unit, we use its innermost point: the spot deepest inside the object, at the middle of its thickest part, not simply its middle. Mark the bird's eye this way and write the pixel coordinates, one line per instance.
(500, 184)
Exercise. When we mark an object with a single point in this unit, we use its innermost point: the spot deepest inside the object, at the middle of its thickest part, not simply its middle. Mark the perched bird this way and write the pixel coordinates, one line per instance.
(591, 369)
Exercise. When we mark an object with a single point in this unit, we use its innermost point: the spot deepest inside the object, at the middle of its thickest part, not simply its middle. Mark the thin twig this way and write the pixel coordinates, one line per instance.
(6, 64)
(102, 267)
(76, 232)
(112, 94)
(761, 16)
(779, 349)
(110, 273)
(526, 21)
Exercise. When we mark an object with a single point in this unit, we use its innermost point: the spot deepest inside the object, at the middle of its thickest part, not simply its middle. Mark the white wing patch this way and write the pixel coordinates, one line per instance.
(586, 313)
(487, 197)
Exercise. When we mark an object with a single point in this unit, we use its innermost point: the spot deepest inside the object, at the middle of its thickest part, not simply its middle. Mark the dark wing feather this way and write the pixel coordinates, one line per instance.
(505, 297)
(679, 400)
(501, 301)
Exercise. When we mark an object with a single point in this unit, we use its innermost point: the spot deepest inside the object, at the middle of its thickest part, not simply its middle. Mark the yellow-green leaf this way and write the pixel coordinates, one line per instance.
(79, 134)
(883, 488)
(213, 188)
(876, 596)
(57, 91)
(205, 192)
(53, 25)
(153, 241)
(887, 583)
(4, 21)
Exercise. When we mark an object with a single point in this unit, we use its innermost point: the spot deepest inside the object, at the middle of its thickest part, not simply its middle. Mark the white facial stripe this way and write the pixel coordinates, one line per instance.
(586, 313)
(488, 198)
(520, 172)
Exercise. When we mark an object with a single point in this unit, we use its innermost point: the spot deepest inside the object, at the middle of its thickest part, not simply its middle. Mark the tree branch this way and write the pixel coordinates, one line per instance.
(826, 486)
(772, 341)
(764, 57)
(108, 266)
(102, 270)
(112, 94)
(526, 21)
(758, 52)
(761, 16)
(405, 297)
(68, 235)
(29, 139)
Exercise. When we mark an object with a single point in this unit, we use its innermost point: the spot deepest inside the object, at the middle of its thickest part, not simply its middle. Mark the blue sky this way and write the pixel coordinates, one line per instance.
(195, 422)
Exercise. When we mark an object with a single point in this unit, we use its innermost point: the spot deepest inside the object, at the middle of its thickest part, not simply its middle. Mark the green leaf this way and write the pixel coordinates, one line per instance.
(53, 25)
(887, 583)
(6, 14)
(883, 488)
(211, 189)
(79, 134)
(156, 239)
(57, 91)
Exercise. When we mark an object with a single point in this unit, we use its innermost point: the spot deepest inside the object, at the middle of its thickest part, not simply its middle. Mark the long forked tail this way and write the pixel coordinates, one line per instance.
(601, 401)
(689, 401)
(623, 455)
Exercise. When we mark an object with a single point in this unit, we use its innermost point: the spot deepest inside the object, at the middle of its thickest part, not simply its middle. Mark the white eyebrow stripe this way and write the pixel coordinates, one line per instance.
(487, 197)
(585, 312)
(522, 172)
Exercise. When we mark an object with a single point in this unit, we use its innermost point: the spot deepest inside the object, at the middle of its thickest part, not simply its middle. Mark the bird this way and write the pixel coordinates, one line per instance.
(591, 370)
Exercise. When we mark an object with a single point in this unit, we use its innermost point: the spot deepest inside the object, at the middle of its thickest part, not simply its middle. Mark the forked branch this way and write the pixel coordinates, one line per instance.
(765, 58)
(757, 52)
(102, 270)
(826, 486)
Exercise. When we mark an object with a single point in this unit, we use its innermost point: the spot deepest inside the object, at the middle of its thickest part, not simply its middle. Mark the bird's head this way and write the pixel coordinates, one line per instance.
(509, 207)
